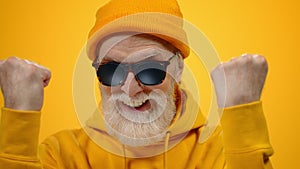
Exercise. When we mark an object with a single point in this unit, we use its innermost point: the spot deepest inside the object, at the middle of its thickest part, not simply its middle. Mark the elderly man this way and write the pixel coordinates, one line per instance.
(144, 118)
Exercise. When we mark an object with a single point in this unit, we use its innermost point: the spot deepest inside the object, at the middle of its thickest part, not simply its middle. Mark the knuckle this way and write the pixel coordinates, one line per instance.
(11, 60)
(245, 56)
(34, 67)
(257, 56)
(243, 59)
(248, 58)
(262, 59)
(220, 67)
(259, 59)
(253, 59)
(31, 68)
(234, 59)
(14, 61)
(228, 65)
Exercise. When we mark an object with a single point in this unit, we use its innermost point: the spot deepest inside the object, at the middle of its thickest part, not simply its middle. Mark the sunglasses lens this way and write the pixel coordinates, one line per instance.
(151, 76)
(110, 74)
(151, 73)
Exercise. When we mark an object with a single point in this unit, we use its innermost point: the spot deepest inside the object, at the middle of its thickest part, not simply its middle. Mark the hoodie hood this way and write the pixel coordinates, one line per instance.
(188, 117)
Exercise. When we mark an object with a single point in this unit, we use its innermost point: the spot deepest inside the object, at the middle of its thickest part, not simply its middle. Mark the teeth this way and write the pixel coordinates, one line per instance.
(134, 103)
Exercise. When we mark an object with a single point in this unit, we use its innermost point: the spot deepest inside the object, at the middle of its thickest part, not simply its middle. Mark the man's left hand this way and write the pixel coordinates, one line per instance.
(240, 80)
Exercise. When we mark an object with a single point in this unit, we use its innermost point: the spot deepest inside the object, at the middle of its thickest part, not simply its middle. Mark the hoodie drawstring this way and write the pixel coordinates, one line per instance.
(124, 156)
(166, 149)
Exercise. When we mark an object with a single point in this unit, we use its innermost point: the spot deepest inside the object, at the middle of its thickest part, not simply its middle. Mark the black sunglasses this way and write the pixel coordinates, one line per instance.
(147, 72)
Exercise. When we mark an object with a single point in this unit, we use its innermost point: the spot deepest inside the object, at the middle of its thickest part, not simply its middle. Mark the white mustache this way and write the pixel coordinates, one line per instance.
(130, 101)
(158, 101)
(157, 95)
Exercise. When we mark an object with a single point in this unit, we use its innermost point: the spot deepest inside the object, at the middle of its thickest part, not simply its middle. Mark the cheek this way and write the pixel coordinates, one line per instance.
(106, 89)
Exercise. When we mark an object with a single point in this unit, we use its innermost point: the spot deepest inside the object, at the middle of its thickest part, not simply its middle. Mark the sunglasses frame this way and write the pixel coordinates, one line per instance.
(135, 68)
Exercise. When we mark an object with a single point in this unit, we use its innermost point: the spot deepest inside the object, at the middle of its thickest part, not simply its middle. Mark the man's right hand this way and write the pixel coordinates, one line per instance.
(22, 83)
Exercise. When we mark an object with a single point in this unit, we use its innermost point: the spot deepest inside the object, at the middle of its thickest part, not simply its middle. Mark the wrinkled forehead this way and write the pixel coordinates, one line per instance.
(134, 47)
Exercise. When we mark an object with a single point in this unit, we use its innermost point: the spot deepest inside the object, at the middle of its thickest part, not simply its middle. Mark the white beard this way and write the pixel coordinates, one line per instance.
(139, 128)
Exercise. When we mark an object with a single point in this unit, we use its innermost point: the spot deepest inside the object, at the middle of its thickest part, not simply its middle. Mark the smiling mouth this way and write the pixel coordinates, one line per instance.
(134, 106)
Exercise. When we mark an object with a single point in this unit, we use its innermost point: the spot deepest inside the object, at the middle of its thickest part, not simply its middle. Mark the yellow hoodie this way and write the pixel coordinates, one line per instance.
(241, 143)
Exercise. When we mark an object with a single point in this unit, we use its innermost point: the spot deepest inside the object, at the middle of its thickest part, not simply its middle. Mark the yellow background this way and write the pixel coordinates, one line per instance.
(52, 33)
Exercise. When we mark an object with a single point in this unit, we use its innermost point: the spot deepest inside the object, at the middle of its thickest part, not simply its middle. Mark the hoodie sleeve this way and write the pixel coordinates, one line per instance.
(246, 139)
(19, 131)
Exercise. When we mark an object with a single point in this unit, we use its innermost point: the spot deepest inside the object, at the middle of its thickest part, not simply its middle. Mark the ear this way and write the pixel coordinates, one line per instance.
(179, 68)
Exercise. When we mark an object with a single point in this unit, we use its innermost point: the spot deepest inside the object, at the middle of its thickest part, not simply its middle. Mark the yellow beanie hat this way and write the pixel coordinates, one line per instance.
(161, 18)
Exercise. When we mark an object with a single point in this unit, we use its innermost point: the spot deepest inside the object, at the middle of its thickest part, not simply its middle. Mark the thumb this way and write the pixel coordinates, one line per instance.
(46, 75)
(44, 72)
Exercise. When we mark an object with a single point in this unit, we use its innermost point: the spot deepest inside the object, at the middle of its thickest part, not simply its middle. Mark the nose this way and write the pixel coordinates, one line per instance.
(131, 86)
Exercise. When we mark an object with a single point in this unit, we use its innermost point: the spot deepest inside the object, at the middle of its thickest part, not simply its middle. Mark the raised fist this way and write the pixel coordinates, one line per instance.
(22, 83)
(240, 80)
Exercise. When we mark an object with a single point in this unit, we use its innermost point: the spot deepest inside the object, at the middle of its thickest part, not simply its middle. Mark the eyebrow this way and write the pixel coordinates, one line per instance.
(106, 60)
(147, 54)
